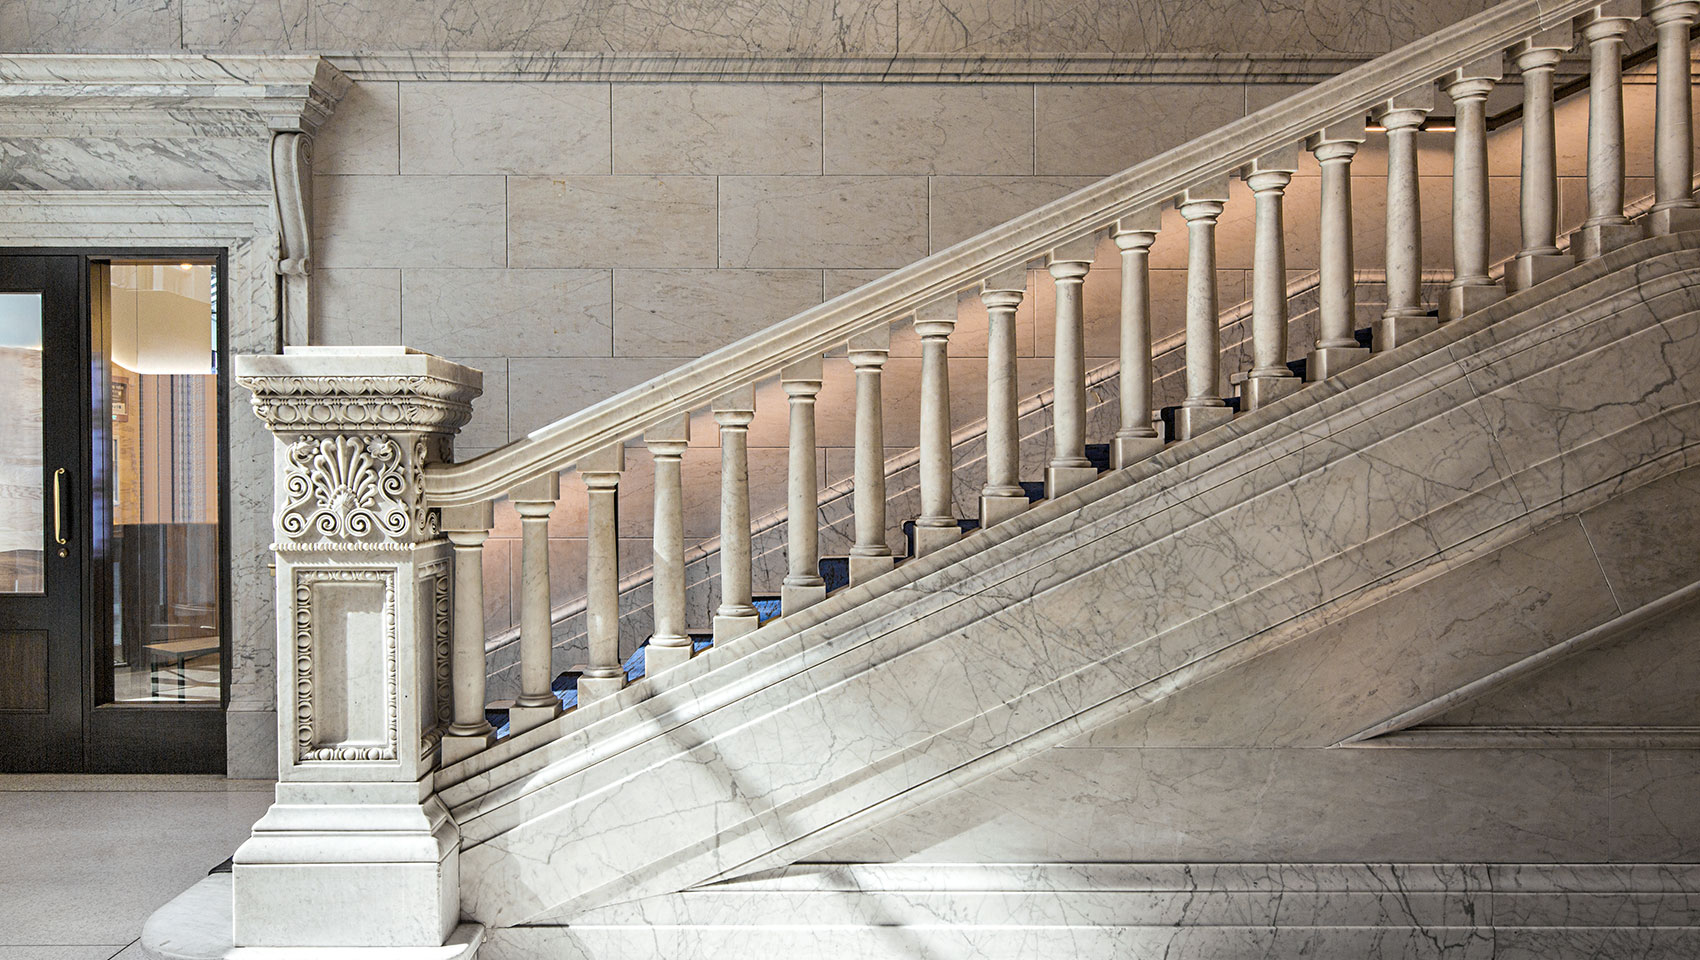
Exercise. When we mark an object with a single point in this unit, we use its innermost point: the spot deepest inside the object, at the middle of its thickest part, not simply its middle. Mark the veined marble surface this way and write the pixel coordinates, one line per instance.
(858, 709)
(720, 27)
(1180, 911)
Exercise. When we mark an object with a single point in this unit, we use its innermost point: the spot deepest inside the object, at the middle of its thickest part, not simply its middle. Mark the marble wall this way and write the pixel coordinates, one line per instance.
(720, 27)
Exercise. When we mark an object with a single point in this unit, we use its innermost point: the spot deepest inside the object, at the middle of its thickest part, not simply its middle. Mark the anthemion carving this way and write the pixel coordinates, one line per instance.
(353, 487)
(306, 739)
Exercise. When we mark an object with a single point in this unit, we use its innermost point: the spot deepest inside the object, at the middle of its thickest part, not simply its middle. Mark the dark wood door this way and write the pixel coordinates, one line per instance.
(114, 644)
(44, 537)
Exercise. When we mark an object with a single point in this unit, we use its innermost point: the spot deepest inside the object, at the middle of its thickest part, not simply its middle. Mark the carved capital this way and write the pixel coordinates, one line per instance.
(365, 488)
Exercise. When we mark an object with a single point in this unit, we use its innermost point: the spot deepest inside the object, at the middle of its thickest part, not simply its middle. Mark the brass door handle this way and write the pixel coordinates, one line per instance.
(58, 512)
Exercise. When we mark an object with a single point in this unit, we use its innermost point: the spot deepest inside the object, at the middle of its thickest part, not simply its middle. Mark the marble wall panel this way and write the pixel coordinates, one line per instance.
(543, 390)
(134, 163)
(686, 313)
(1166, 26)
(623, 221)
(270, 27)
(512, 128)
(836, 282)
(362, 221)
(250, 742)
(717, 128)
(811, 26)
(960, 207)
(364, 134)
(1098, 129)
(38, 26)
(455, 311)
(984, 129)
(822, 221)
(357, 306)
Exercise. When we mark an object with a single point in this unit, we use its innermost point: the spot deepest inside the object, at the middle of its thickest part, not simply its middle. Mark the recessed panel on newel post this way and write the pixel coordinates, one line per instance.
(357, 850)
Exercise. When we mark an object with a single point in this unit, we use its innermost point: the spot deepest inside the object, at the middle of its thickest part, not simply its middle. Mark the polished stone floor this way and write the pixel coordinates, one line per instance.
(88, 858)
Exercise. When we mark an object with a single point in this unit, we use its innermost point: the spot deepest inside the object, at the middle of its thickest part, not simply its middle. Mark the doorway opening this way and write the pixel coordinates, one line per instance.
(114, 626)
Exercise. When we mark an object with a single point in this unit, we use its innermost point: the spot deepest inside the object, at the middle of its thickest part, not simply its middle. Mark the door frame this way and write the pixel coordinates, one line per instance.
(139, 738)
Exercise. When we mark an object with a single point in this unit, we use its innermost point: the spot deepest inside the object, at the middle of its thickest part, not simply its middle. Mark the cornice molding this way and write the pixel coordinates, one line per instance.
(888, 68)
(166, 94)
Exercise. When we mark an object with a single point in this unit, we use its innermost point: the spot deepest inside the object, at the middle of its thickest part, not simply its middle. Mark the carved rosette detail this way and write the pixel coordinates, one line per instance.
(352, 488)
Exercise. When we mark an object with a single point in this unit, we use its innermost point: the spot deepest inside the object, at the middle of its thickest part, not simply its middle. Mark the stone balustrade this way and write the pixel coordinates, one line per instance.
(384, 529)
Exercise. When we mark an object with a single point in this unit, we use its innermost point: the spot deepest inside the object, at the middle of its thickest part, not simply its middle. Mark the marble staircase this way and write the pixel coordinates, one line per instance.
(1224, 535)
(1102, 603)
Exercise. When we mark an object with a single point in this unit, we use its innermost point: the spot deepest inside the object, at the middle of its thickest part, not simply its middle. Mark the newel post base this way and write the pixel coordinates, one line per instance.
(357, 851)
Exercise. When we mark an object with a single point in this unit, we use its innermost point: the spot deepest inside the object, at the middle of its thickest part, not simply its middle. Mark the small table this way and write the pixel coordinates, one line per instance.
(181, 652)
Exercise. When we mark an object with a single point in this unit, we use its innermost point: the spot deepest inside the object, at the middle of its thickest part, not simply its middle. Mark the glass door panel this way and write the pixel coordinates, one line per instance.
(162, 484)
(23, 520)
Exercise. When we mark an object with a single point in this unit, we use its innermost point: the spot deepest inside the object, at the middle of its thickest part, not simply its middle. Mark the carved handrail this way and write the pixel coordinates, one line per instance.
(876, 305)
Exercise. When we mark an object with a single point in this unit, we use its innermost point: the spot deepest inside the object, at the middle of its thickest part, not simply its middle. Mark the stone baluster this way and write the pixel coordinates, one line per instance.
(1606, 228)
(1069, 469)
(357, 845)
(1002, 497)
(1404, 319)
(1539, 258)
(670, 643)
(534, 500)
(1674, 208)
(1337, 314)
(936, 526)
(736, 614)
(1136, 438)
(1471, 288)
(601, 474)
(870, 555)
(1203, 407)
(470, 732)
(1269, 378)
(803, 585)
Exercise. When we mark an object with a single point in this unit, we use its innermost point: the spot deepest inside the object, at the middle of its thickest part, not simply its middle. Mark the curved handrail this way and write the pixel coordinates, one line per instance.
(1145, 185)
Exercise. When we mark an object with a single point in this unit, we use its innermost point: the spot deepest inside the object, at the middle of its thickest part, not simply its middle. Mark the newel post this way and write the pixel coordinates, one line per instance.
(357, 850)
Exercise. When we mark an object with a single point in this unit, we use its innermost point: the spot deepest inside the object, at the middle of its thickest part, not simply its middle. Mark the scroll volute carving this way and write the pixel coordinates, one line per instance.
(292, 205)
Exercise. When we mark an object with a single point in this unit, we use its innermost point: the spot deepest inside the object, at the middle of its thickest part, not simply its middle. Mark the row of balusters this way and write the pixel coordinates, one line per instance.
(1003, 497)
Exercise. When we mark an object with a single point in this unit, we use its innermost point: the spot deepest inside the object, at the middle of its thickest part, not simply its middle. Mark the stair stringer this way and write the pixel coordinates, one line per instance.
(1002, 646)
